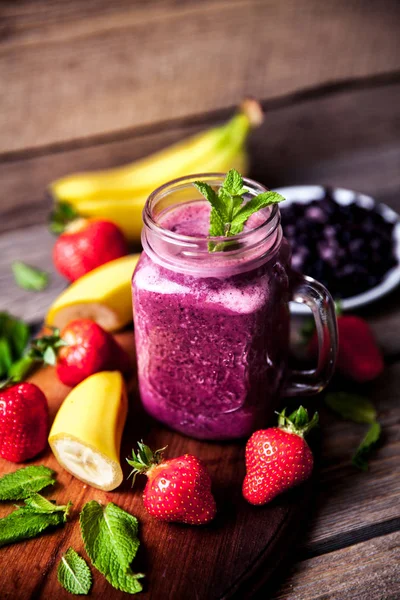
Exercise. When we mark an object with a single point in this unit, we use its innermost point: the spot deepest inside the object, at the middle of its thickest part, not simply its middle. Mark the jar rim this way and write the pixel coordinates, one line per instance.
(191, 254)
(162, 190)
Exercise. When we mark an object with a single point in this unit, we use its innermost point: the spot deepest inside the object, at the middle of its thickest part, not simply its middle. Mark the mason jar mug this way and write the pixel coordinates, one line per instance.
(211, 316)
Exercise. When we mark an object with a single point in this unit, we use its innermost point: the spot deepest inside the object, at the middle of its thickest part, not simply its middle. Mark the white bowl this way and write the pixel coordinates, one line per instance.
(304, 194)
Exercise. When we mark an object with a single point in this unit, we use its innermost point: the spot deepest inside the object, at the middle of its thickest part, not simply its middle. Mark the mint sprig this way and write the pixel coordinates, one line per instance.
(351, 407)
(360, 457)
(229, 210)
(30, 520)
(28, 277)
(14, 336)
(22, 483)
(110, 535)
(74, 574)
(358, 409)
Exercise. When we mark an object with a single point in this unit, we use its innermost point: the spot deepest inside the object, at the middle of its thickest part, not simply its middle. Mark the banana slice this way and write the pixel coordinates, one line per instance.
(86, 434)
(103, 295)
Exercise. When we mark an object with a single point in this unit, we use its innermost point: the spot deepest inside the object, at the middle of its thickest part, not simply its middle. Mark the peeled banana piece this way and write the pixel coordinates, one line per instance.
(87, 431)
(103, 295)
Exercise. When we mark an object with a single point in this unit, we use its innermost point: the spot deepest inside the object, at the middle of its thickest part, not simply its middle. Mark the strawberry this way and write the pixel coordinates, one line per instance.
(278, 458)
(86, 244)
(82, 348)
(177, 490)
(359, 357)
(24, 422)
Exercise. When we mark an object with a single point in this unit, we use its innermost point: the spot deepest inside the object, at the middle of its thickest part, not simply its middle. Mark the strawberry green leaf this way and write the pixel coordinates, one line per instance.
(360, 457)
(74, 574)
(351, 407)
(22, 483)
(49, 356)
(63, 214)
(298, 422)
(29, 278)
(110, 535)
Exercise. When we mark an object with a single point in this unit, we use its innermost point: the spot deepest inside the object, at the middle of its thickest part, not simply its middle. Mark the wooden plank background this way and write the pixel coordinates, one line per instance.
(71, 70)
(341, 137)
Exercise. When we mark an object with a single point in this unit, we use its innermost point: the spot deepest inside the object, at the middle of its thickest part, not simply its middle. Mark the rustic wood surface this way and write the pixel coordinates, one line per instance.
(329, 77)
(218, 560)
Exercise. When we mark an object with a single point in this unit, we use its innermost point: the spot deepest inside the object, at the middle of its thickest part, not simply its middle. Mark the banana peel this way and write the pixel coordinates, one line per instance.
(103, 295)
(127, 212)
(87, 431)
(183, 158)
(119, 194)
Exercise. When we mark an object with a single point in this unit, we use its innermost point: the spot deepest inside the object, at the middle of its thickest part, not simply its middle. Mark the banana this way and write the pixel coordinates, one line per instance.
(86, 434)
(103, 295)
(127, 212)
(193, 155)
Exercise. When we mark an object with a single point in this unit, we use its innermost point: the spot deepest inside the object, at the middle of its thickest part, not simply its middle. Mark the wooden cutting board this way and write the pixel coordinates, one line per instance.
(230, 558)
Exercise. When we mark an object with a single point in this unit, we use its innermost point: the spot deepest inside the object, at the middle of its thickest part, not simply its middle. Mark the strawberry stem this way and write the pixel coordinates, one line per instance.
(144, 459)
(45, 348)
(61, 216)
(298, 422)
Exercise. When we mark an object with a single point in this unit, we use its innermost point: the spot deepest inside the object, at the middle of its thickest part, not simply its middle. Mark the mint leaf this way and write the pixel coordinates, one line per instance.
(233, 183)
(214, 199)
(111, 540)
(30, 520)
(16, 332)
(14, 336)
(21, 483)
(29, 278)
(252, 206)
(360, 457)
(351, 407)
(74, 574)
(23, 367)
(37, 503)
(229, 213)
(5, 358)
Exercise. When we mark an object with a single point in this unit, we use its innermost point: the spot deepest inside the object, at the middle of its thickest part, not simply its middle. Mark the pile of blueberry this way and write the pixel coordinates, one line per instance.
(346, 247)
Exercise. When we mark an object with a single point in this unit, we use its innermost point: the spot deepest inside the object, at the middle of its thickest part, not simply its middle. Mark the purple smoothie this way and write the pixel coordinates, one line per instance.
(211, 350)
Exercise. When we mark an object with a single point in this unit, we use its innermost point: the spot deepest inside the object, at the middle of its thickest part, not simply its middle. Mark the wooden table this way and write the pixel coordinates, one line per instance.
(345, 134)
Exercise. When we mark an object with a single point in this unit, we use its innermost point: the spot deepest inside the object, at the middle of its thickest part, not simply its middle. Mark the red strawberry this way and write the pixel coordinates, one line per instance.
(87, 244)
(359, 356)
(278, 458)
(82, 348)
(178, 489)
(24, 422)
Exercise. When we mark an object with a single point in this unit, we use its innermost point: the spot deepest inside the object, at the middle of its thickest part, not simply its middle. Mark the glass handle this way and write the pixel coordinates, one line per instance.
(306, 290)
